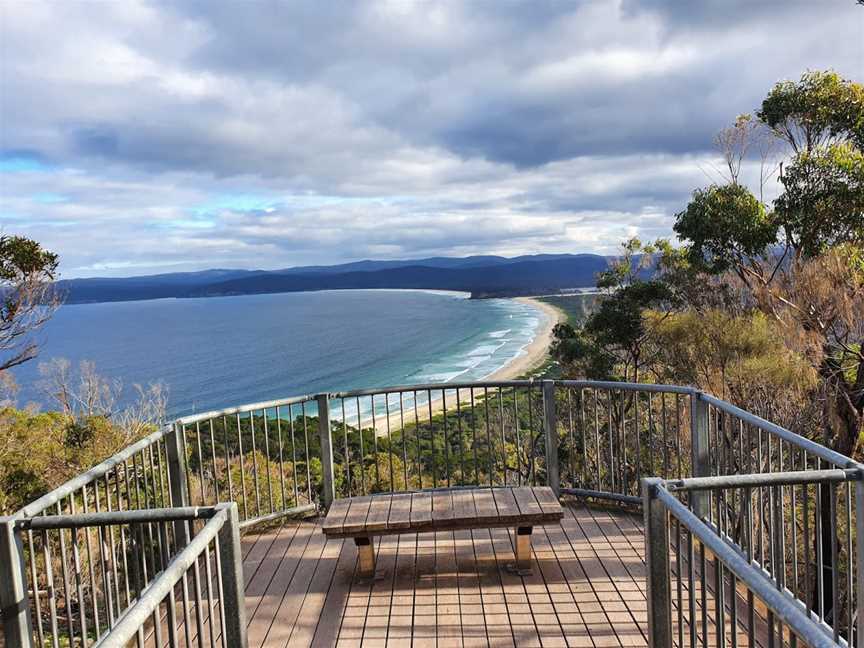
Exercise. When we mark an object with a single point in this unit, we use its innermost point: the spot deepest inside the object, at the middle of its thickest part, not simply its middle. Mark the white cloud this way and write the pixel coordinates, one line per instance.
(385, 129)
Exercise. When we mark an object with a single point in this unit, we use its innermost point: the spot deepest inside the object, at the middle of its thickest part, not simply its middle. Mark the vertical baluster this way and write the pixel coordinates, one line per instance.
(820, 563)
(52, 588)
(518, 439)
(228, 454)
(599, 485)
(461, 437)
(691, 586)
(112, 547)
(678, 406)
(404, 434)
(34, 580)
(849, 557)
(583, 483)
(663, 424)
(213, 461)
(532, 468)
(268, 461)
(243, 468)
(347, 449)
(503, 436)
(418, 442)
(284, 502)
(571, 449)
(446, 436)
(123, 546)
(362, 450)
(306, 444)
(390, 439)
(835, 571)
(375, 437)
(255, 462)
(294, 456)
(489, 447)
(90, 567)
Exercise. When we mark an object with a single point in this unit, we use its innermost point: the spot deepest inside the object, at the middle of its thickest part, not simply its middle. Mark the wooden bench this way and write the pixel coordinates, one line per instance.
(363, 518)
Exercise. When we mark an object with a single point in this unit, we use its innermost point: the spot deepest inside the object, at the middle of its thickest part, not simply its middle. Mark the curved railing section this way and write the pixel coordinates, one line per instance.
(598, 440)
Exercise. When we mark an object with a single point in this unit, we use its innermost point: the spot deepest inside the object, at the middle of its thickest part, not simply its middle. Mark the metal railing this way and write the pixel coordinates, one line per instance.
(716, 594)
(109, 578)
(589, 439)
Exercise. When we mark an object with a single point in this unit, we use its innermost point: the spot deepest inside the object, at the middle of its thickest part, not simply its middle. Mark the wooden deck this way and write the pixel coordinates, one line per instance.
(451, 588)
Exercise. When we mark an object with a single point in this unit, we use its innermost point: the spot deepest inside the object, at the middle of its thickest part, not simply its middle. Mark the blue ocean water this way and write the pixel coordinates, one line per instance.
(223, 351)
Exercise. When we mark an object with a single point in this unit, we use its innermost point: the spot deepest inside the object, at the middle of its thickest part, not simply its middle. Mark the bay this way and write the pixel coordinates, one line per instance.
(224, 351)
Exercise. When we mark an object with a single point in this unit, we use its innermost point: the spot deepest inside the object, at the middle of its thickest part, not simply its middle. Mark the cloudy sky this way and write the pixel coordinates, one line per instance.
(153, 136)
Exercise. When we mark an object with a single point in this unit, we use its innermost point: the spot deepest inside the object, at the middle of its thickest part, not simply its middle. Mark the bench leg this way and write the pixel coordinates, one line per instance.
(523, 551)
(366, 556)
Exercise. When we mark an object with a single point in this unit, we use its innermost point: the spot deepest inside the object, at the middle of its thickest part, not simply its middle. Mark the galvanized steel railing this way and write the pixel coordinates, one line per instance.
(584, 438)
(703, 589)
(113, 578)
(781, 524)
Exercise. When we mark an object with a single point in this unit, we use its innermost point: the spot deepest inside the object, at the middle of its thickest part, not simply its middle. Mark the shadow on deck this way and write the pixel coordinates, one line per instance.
(453, 588)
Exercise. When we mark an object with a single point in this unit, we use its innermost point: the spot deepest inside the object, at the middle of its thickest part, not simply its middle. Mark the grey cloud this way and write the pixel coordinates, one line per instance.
(445, 128)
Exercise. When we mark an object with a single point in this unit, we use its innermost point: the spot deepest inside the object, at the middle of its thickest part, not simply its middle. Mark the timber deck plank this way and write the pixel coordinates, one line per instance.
(452, 587)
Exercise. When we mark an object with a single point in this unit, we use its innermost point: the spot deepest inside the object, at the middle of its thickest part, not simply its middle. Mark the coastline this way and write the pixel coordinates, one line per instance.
(534, 354)
(529, 359)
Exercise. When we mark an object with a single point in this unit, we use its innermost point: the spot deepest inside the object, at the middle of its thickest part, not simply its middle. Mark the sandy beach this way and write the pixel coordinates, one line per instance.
(534, 355)
(531, 358)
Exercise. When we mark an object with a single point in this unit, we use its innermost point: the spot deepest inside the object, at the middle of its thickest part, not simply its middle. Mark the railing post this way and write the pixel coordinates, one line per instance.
(657, 565)
(231, 557)
(550, 429)
(329, 493)
(14, 601)
(175, 448)
(700, 450)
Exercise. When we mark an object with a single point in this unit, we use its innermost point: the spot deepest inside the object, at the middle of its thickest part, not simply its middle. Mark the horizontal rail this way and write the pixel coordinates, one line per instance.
(91, 475)
(117, 517)
(278, 515)
(244, 409)
(783, 606)
(135, 617)
(625, 386)
(381, 391)
(595, 494)
(765, 479)
(804, 443)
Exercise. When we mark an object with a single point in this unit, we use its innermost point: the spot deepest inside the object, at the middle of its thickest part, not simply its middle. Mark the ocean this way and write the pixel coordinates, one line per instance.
(223, 351)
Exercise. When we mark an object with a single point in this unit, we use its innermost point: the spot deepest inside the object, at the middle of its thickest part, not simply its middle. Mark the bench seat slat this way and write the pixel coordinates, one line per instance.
(508, 510)
(528, 505)
(355, 520)
(484, 503)
(400, 512)
(379, 513)
(470, 508)
(421, 510)
(547, 500)
(463, 505)
(442, 506)
(336, 516)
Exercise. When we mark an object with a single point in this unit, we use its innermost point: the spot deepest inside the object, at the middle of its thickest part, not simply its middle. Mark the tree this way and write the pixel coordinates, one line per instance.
(817, 222)
(27, 297)
(802, 261)
(613, 341)
(726, 227)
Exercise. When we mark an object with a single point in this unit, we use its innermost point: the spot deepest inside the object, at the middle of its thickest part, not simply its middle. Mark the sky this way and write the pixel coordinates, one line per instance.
(154, 136)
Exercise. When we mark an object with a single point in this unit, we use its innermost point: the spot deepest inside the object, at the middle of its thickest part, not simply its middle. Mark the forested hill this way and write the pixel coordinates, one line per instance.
(486, 276)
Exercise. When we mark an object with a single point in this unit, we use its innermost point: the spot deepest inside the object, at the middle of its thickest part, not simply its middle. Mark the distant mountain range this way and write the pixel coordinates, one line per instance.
(482, 276)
